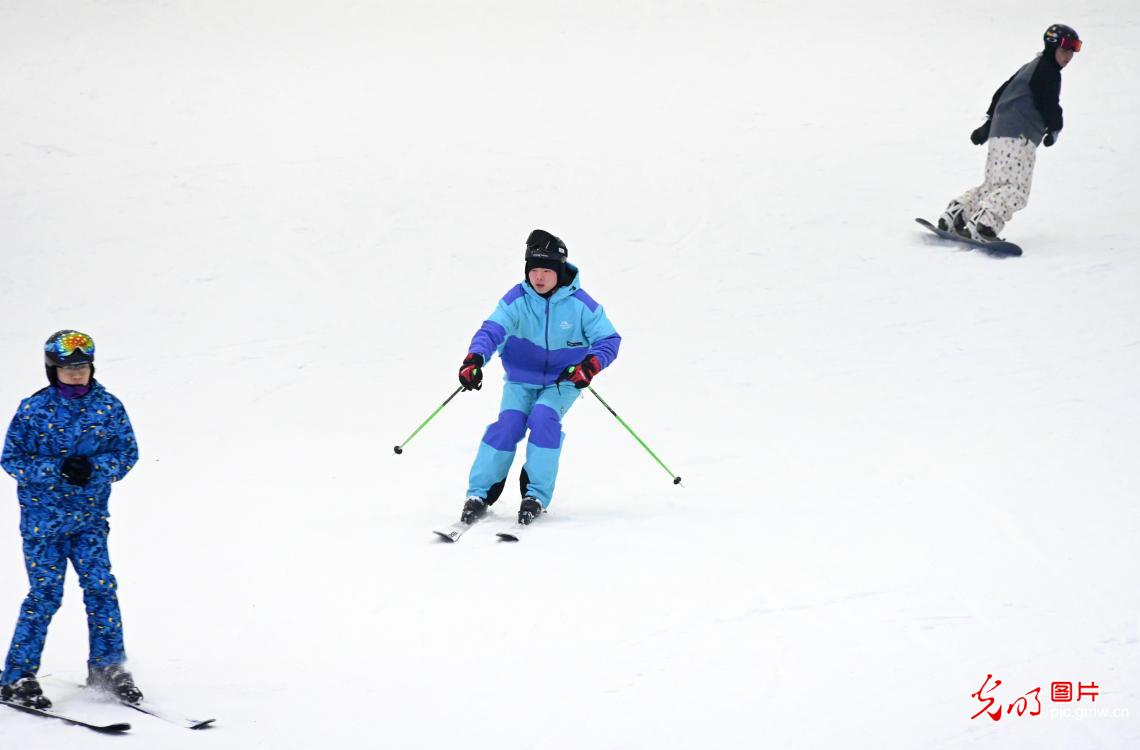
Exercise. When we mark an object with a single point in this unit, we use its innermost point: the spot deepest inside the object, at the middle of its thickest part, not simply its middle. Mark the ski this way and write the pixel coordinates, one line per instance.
(146, 707)
(165, 715)
(454, 531)
(117, 728)
(995, 248)
(515, 532)
(512, 534)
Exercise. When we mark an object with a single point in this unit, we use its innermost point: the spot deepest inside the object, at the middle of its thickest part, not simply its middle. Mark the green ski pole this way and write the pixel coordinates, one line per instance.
(400, 448)
(676, 479)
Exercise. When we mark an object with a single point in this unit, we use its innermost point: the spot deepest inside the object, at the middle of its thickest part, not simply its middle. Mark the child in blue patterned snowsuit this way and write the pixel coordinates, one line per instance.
(65, 446)
(553, 339)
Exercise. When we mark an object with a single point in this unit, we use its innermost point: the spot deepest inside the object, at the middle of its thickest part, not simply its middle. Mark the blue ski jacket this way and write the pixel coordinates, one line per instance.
(46, 429)
(537, 338)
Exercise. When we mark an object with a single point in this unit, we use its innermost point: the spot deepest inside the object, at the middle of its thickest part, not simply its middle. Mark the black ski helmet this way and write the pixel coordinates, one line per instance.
(544, 250)
(1064, 36)
(68, 347)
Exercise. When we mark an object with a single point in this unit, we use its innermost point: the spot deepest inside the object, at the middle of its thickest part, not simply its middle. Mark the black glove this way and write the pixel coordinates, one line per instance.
(1051, 137)
(982, 134)
(76, 470)
(471, 374)
(582, 373)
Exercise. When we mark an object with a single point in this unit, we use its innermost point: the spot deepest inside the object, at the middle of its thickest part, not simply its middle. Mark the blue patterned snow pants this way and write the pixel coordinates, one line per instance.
(46, 560)
(524, 407)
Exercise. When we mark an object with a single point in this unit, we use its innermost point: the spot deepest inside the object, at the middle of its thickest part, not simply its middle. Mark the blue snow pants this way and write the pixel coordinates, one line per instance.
(525, 407)
(46, 560)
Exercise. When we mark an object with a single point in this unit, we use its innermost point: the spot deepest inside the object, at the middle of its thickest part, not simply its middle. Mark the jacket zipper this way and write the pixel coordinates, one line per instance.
(546, 339)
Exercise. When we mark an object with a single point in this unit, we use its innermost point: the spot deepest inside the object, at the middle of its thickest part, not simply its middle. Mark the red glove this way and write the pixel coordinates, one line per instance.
(582, 373)
(471, 374)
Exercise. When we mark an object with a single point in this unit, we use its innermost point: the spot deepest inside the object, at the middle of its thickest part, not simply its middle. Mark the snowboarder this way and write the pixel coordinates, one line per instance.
(553, 339)
(65, 446)
(1024, 111)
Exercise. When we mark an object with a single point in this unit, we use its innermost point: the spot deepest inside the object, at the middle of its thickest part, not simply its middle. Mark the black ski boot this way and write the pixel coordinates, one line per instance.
(25, 692)
(116, 681)
(529, 510)
(474, 509)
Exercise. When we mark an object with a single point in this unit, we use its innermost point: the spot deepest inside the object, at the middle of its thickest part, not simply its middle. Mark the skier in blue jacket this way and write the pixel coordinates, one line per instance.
(65, 446)
(553, 339)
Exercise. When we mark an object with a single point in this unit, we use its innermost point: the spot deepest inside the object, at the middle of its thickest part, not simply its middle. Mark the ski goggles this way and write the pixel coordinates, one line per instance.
(1073, 44)
(67, 344)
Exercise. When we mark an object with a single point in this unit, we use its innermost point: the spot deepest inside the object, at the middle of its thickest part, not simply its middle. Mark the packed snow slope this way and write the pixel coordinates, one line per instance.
(906, 466)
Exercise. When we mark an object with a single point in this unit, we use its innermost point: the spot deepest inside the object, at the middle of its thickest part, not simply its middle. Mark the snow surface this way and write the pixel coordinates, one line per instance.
(906, 466)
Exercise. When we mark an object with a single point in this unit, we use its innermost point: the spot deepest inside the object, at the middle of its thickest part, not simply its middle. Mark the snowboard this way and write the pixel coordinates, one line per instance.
(996, 248)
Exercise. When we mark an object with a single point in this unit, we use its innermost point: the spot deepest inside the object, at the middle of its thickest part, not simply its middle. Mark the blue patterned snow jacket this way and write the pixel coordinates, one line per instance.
(538, 338)
(47, 429)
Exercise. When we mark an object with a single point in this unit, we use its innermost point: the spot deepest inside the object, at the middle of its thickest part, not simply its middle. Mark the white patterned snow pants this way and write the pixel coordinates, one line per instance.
(1009, 175)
